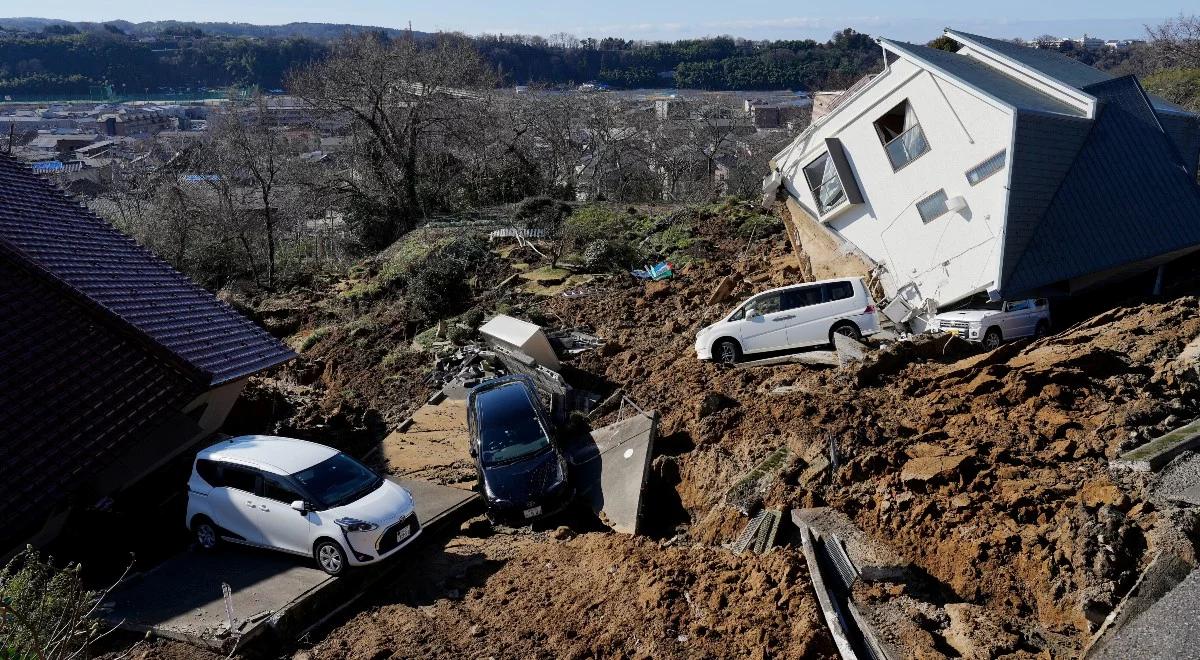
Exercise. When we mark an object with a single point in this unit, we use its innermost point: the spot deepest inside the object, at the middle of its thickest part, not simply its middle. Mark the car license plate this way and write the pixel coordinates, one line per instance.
(533, 511)
(403, 534)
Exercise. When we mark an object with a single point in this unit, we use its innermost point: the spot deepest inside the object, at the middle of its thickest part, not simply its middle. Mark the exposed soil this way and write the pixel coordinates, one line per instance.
(593, 595)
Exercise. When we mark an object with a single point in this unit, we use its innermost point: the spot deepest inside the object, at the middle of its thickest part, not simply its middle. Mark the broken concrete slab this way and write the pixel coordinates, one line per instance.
(611, 469)
(1164, 572)
(848, 349)
(1169, 628)
(182, 598)
(434, 439)
(873, 561)
(723, 290)
(1159, 451)
(1188, 496)
(813, 358)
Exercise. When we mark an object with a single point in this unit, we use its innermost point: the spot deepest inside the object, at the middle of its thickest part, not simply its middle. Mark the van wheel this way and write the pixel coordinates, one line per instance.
(1041, 329)
(727, 351)
(206, 534)
(992, 339)
(846, 329)
(330, 557)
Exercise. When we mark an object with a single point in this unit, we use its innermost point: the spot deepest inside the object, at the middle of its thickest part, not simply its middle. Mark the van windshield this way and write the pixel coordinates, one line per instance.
(509, 426)
(338, 480)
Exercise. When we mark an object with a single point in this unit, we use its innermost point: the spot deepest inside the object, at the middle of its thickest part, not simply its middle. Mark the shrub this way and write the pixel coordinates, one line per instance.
(759, 226)
(314, 337)
(44, 611)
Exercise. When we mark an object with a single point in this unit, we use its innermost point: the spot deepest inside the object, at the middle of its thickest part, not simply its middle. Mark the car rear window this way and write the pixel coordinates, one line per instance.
(209, 471)
(839, 290)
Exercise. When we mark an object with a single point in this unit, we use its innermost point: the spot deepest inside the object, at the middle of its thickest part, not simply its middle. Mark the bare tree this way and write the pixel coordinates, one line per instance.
(1176, 42)
(404, 99)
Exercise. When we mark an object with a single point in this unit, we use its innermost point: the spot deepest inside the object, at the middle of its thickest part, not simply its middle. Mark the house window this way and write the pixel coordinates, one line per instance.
(986, 168)
(901, 135)
(932, 206)
(824, 183)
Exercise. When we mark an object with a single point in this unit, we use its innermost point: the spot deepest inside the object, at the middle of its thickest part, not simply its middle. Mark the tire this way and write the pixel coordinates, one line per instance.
(1041, 329)
(846, 328)
(992, 339)
(727, 351)
(330, 557)
(207, 536)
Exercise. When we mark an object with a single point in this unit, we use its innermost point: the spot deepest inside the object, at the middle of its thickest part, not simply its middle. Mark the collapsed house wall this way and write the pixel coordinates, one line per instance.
(947, 257)
(822, 254)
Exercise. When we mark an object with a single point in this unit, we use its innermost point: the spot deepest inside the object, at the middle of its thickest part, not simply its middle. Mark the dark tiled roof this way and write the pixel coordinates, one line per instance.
(121, 280)
(1126, 198)
(74, 394)
(1055, 65)
(991, 81)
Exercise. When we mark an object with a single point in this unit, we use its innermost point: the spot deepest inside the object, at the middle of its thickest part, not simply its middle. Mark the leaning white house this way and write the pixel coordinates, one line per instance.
(998, 168)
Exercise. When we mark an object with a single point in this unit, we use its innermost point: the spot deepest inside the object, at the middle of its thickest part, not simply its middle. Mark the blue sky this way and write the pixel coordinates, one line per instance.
(646, 19)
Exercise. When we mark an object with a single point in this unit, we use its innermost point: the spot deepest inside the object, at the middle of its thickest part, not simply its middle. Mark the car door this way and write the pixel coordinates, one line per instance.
(1018, 319)
(766, 330)
(282, 526)
(805, 304)
(235, 504)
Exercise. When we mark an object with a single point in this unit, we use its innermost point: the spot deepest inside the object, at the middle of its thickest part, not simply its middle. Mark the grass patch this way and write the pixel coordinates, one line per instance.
(314, 337)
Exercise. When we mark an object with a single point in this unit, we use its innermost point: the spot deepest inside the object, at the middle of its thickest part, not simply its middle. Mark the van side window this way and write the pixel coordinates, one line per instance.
(238, 477)
(274, 488)
(1019, 305)
(838, 291)
(209, 471)
(768, 303)
(801, 297)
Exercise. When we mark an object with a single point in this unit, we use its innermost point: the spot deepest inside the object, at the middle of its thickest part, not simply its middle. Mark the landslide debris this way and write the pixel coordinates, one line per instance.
(586, 596)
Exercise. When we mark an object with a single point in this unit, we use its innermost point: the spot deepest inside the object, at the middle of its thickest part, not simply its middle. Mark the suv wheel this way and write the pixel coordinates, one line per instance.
(1041, 329)
(206, 534)
(727, 351)
(846, 330)
(992, 339)
(330, 557)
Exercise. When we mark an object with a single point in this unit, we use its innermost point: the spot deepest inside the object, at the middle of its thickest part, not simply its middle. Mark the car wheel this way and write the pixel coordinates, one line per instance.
(1041, 330)
(330, 557)
(992, 339)
(727, 351)
(206, 534)
(847, 330)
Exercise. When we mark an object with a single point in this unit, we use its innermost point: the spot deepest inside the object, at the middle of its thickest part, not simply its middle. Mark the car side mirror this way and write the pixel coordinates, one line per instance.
(300, 505)
(752, 313)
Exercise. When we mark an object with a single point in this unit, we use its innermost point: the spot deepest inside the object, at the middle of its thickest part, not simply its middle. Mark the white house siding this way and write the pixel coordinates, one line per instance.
(955, 254)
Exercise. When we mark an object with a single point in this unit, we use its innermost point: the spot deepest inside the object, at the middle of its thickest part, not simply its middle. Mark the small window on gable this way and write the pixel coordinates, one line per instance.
(901, 135)
(824, 183)
(986, 168)
(932, 206)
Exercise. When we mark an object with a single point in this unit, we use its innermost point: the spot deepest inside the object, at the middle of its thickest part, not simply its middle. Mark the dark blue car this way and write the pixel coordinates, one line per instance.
(521, 470)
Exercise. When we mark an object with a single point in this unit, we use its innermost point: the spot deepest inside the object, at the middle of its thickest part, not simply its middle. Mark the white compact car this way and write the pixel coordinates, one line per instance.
(791, 317)
(993, 323)
(298, 497)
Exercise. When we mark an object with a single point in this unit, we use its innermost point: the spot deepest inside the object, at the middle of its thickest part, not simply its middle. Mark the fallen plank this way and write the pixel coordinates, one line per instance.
(815, 358)
(1159, 451)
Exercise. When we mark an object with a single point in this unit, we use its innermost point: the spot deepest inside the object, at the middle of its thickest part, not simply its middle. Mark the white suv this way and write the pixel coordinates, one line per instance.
(299, 497)
(993, 323)
(791, 317)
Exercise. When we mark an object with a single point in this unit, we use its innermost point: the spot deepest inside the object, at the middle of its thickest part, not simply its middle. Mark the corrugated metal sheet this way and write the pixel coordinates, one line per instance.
(126, 283)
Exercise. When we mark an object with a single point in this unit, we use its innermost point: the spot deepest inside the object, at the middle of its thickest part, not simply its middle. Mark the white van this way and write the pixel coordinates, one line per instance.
(791, 317)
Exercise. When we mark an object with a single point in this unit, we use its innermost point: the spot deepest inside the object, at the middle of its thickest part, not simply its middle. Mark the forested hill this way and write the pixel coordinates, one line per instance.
(47, 59)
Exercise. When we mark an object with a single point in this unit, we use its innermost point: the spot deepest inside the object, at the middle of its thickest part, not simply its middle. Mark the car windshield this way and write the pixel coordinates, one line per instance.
(509, 427)
(338, 480)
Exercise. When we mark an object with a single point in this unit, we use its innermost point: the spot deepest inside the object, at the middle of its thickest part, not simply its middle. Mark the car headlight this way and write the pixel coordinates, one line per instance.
(355, 525)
